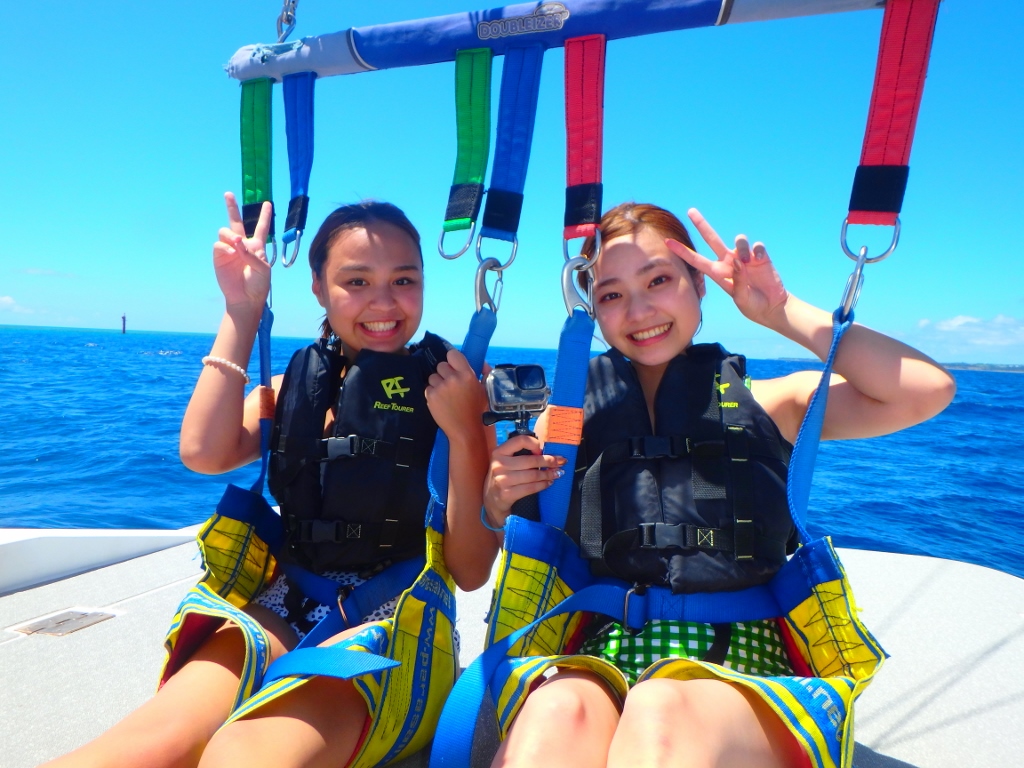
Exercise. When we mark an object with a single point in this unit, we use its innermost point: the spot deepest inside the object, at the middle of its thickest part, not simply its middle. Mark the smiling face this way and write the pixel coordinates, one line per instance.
(371, 286)
(646, 300)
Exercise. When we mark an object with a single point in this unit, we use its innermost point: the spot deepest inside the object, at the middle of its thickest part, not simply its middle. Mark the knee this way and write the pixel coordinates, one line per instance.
(564, 707)
(227, 747)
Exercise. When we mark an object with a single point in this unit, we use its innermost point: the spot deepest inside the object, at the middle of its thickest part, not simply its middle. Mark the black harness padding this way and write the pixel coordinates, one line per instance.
(675, 506)
(357, 497)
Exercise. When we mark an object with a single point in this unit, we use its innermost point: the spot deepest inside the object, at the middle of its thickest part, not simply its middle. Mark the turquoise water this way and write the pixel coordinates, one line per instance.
(89, 439)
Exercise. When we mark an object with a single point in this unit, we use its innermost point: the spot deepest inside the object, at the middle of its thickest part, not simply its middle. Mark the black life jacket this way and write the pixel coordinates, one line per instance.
(357, 498)
(699, 505)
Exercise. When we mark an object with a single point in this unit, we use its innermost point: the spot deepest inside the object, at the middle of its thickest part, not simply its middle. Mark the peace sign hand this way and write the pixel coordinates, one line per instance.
(745, 273)
(240, 262)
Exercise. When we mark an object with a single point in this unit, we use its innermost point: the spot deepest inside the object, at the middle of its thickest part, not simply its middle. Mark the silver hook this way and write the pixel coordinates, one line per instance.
(854, 283)
(273, 259)
(570, 291)
(286, 21)
(452, 256)
(285, 261)
(483, 296)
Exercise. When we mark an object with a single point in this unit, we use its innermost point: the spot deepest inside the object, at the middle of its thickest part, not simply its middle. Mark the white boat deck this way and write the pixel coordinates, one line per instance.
(951, 695)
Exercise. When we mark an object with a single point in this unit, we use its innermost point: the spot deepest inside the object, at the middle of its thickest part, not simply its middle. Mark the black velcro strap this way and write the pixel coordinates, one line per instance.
(464, 201)
(251, 217)
(591, 531)
(338, 531)
(663, 536)
(583, 204)
(503, 210)
(879, 188)
(296, 218)
(342, 447)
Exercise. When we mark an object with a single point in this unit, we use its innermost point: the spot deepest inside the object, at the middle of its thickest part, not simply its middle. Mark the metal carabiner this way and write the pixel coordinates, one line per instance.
(854, 283)
(285, 261)
(452, 256)
(873, 259)
(273, 259)
(286, 21)
(511, 258)
(483, 296)
(593, 259)
(570, 290)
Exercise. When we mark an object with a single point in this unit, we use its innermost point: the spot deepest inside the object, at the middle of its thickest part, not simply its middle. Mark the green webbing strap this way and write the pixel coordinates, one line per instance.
(256, 157)
(473, 120)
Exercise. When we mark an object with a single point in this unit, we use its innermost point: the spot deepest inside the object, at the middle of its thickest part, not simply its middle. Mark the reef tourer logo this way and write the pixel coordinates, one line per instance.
(547, 17)
(394, 387)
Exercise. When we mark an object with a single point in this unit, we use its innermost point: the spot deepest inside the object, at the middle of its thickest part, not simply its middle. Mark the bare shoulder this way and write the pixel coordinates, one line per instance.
(785, 399)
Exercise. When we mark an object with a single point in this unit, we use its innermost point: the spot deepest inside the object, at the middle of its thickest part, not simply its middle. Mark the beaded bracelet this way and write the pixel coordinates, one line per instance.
(211, 360)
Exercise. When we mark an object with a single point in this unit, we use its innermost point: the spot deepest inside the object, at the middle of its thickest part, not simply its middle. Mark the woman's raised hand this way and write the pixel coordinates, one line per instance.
(240, 262)
(511, 477)
(744, 272)
(455, 396)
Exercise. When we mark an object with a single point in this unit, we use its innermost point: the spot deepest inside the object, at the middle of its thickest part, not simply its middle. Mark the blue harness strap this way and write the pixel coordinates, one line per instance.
(570, 386)
(298, 119)
(517, 111)
(805, 451)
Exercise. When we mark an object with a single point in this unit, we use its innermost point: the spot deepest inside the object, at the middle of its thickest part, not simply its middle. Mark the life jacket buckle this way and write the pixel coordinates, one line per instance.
(647, 535)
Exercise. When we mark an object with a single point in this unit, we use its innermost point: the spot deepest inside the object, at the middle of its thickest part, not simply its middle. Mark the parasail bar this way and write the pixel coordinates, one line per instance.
(550, 24)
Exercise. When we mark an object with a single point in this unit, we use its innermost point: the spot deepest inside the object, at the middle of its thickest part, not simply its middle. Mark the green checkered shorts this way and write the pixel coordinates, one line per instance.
(755, 647)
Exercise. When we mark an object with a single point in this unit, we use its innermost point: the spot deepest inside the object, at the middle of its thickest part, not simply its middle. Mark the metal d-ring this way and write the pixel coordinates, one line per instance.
(462, 250)
(511, 258)
(285, 261)
(273, 259)
(873, 259)
(570, 290)
(593, 259)
(483, 296)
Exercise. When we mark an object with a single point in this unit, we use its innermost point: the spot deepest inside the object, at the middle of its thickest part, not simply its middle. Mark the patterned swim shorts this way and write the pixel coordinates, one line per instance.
(755, 647)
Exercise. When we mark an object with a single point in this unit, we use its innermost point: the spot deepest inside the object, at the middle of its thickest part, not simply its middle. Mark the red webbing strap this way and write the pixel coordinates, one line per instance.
(584, 128)
(906, 42)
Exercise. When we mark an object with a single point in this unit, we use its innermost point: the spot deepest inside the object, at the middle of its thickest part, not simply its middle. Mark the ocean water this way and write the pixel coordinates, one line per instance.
(89, 439)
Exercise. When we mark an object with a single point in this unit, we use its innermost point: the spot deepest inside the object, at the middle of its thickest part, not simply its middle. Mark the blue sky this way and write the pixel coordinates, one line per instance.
(120, 135)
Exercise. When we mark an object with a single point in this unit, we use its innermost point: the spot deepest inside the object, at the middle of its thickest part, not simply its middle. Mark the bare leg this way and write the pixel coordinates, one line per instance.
(700, 724)
(172, 729)
(317, 725)
(568, 721)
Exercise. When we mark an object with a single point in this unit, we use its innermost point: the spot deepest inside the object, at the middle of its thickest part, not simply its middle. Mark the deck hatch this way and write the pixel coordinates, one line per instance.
(64, 623)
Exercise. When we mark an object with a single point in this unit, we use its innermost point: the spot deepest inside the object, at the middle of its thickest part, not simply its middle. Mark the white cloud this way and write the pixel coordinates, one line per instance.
(8, 304)
(1001, 331)
(956, 322)
(923, 323)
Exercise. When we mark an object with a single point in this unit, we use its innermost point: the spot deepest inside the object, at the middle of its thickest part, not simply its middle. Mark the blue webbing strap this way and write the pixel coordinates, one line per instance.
(520, 82)
(570, 385)
(360, 601)
(478, 337)
(331, 661)
(805, 451)
(298, 120)
(266, 425)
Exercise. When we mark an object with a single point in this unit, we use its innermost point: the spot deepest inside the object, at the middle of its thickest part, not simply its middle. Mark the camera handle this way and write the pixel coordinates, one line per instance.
(527, 507)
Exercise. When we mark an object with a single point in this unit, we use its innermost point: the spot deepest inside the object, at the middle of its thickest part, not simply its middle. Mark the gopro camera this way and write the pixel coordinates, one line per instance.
(516, 393)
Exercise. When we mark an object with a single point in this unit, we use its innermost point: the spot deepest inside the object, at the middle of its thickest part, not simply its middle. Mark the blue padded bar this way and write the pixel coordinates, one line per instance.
(426, 41)
(517, 112)
(570, 384)
(805, 450)
(430, 41)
